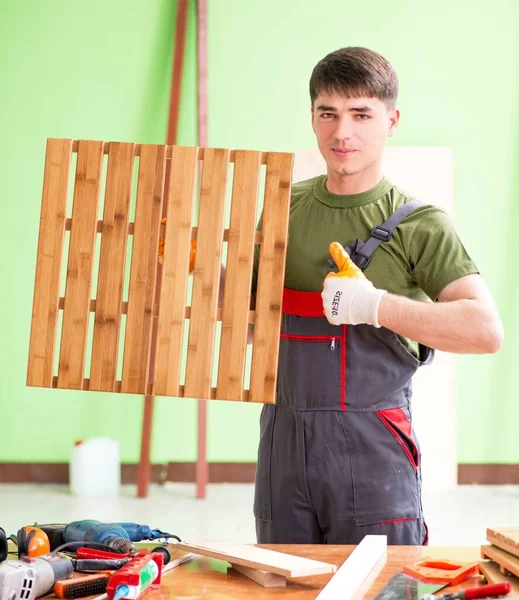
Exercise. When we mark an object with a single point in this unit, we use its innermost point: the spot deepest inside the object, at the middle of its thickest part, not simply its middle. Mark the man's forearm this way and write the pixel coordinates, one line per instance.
(463, 326)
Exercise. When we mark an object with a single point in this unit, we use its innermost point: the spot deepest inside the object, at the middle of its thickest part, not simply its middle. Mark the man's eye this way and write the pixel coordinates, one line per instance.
(327, 115)
(362, 117)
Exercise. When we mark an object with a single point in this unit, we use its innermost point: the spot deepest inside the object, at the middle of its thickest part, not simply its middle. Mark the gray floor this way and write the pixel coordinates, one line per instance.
(457, 518)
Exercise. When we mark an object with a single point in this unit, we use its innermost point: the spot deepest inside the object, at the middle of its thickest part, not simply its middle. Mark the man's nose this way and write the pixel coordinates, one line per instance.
(343, 129)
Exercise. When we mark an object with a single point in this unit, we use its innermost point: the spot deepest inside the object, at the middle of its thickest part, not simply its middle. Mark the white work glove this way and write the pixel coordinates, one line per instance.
(348, 297)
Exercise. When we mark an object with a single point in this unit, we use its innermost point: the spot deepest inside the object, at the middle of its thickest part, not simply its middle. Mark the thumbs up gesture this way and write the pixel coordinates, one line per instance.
(348, 297)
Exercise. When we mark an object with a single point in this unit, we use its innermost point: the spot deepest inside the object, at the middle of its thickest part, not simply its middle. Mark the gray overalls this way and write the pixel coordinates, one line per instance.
(338, 457)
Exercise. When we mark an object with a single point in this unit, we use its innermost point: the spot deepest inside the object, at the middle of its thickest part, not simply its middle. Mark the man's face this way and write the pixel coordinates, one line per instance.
(351, 132)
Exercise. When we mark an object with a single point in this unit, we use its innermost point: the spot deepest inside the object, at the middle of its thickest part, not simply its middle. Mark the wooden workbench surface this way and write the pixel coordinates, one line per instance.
(209, 578)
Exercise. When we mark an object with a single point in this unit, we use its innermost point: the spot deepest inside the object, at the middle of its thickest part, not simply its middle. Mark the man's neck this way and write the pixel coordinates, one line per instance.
(346, 185)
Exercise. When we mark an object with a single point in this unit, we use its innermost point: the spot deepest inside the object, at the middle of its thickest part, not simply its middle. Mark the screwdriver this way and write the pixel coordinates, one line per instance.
(483, 591)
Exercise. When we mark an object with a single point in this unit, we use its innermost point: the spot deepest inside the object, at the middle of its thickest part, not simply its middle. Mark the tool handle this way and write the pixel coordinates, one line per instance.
(487, 591)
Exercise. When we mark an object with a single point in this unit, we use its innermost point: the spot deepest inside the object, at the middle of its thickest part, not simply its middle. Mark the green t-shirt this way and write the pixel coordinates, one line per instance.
(423, 255)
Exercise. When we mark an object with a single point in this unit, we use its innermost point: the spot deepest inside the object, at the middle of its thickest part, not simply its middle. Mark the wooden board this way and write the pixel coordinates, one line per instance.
(264, 578)
(175, 271)
(114, 241)
(358, 571)
(235, 313)
(102, 304)
(206, 282)
(253, 557)
(45, 310)
(148, 213)
(507, 562)
(271, 276)
(76, 313)
(493, 574)
(507, 539)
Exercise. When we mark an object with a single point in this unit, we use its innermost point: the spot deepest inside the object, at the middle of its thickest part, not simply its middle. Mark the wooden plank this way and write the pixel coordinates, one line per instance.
(80, 265)
(506, 538)
(493, 575)
(48, 263)
(253, 557)
(364, 563)
(271, 275)
(504, 543)
(137, 346)
(175, 271)
(202, 328)
(264, 578)
(508, 562)
(240, 260)
(114, 238)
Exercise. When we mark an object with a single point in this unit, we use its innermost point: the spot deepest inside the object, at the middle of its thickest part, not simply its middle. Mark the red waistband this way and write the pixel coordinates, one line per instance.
(302, 304)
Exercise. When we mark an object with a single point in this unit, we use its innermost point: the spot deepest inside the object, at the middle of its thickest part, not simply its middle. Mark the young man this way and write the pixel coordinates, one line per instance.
(338, 458)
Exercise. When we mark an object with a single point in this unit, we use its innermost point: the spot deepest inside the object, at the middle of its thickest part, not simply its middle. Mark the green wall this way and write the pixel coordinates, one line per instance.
(101, 70)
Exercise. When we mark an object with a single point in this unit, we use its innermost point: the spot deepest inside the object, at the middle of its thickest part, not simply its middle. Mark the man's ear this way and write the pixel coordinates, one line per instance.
(393, 119)
(312, 116)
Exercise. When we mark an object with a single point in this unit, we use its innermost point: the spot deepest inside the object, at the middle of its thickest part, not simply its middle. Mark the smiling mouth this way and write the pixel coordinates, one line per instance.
(343, 151)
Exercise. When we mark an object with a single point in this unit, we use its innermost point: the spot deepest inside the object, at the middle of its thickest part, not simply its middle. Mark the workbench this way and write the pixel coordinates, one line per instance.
(214, 579)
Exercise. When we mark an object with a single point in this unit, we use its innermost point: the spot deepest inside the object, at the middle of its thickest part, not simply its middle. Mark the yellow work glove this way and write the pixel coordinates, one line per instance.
(348, 297)
(192, 252)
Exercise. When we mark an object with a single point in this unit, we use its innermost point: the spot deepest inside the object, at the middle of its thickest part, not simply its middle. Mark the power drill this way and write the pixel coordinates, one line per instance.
(30, 578)
(118, 536)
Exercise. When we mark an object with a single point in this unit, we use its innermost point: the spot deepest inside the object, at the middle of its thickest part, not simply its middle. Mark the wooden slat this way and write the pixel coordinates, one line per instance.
(271, 275)
(240, 259)
(175, 270)
(194, 231)
(169, 152)
(137, 345)
(114, 238)
(48, 263)
(507, 562)
(204, 303)
(80, 264)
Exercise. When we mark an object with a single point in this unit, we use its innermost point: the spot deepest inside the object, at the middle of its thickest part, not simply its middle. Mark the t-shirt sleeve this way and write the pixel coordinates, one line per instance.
(437, 255)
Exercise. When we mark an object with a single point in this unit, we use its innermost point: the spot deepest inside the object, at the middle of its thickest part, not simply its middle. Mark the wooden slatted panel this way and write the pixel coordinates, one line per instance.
(137, 346)
(271, 275)
(175, 271)
(48, 263)
(204, 303)
(114, 238)
(80, 265)
(240, 259)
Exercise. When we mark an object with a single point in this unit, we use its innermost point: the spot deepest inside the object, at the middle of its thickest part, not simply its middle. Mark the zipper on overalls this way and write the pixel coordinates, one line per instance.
(332, 344)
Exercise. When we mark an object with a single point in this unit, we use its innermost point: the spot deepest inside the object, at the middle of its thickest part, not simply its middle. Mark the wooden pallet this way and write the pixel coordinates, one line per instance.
(59, 356)
(508, 563)
(506, 539)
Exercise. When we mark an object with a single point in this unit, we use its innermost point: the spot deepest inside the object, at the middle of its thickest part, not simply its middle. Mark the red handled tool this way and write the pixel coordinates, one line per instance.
(483, 591)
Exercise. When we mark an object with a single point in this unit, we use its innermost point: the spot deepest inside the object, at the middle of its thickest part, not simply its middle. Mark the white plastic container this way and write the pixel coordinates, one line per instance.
(95, 467)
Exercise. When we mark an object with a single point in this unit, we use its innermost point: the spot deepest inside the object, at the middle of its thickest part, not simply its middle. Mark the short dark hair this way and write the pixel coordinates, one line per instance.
(355, 72)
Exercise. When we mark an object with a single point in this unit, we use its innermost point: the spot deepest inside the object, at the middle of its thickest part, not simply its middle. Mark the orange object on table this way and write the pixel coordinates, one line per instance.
(437, 570)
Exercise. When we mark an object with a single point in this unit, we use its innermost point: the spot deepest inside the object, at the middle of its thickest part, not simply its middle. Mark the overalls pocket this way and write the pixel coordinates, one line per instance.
(385, 469)
(310, 372)
(262, 490)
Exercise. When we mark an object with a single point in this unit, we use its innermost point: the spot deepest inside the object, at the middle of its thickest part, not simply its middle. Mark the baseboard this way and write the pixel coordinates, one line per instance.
(482, 474)
(160, 473)
(491, 474)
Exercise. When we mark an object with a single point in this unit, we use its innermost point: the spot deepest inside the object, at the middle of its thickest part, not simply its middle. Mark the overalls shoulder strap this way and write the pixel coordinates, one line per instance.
(360, 252)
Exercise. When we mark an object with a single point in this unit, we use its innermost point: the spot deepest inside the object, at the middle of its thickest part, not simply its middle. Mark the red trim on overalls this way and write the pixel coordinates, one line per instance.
(398, 425)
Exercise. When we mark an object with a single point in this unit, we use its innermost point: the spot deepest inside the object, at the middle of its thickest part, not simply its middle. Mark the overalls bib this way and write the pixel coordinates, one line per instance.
(338, 457)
